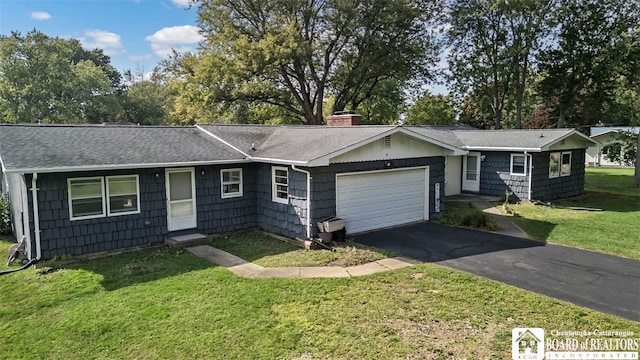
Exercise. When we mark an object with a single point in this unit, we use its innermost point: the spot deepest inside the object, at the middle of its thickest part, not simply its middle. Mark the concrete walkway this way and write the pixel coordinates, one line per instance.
(247, 269)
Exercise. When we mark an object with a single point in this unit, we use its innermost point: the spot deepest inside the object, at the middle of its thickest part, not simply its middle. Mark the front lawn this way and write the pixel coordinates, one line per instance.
(265, 251)
(614, 230)
(169, 304)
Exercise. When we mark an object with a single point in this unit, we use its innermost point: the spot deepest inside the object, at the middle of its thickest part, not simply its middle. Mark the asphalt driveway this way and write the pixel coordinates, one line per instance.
(598, 281)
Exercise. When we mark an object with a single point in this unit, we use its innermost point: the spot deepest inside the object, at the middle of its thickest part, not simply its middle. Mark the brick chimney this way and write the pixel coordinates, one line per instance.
(344, 119)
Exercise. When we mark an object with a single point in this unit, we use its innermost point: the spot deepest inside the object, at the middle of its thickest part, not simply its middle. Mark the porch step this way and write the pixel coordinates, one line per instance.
(188, 240)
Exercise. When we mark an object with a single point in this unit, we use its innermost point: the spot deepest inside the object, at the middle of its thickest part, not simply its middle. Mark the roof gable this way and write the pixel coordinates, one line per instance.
(521, 139)
(318, 145)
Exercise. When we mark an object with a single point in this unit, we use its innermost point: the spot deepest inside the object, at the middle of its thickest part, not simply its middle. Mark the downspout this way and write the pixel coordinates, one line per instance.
(530, 174)
(293, 167)
(36, 216)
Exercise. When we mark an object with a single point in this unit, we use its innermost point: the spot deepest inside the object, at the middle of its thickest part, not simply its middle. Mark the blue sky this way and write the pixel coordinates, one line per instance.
(136, 34)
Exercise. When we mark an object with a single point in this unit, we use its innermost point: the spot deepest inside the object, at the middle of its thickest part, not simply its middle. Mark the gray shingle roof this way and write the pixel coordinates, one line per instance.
(50, 147)
(77, 147)
(299, 144)
(445, 134)
(513, 139)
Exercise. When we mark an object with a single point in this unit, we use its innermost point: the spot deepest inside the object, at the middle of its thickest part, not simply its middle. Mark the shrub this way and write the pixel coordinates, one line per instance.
(467, 214)
(5, 216)
(478, 219)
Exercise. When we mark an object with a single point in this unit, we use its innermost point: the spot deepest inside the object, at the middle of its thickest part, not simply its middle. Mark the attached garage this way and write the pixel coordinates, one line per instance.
(379, 199)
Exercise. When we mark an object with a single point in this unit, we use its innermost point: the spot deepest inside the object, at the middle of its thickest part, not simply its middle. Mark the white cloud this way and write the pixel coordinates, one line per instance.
(180, 38)
(182, 3)
(40, 15)
(107, 41)
(140, 57)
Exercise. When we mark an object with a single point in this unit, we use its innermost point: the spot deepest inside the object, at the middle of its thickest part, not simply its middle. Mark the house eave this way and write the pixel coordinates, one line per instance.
(278, 161)
(502, 148)
(64, 169)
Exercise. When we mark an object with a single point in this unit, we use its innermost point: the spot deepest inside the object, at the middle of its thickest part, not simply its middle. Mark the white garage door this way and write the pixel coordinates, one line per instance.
(374, 200)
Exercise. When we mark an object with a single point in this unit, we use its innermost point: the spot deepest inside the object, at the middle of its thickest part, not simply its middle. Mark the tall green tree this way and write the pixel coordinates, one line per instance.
(492, 43)
(295, 53)
(596, 42)
(147, 100)
(55, 80)
(432, 110)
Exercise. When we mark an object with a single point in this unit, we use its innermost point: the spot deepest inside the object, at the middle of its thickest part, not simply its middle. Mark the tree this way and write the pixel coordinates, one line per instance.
(147, 100)
(295, 53)
(623, 149)
(492, 42)
(432, 110)
(529, 23)
(596, 40)
(55, 80)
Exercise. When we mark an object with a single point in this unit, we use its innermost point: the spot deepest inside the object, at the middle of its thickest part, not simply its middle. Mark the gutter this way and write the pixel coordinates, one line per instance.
(293, 167)
(36, 216)
(530, 174)
(123, 166)
(501, 148)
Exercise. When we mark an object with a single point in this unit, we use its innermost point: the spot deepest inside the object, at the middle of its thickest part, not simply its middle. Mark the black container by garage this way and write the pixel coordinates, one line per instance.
(340, 235)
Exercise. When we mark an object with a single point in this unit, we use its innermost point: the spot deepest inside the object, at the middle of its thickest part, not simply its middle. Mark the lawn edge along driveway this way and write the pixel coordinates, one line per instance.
(598, 281)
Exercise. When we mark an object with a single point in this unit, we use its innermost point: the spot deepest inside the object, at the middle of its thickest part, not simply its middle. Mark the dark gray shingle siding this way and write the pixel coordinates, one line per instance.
(218, 215)
(546, 189)
(60, 236)
(495, 177)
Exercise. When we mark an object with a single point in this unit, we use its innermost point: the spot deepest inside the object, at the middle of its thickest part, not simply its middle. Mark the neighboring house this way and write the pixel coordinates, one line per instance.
(596, 154)
(89, 188)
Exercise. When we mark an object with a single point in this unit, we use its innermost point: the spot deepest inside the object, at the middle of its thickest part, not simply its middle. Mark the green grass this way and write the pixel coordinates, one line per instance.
(614, 230)
(461, 213)
(269, 252)
(167, 303)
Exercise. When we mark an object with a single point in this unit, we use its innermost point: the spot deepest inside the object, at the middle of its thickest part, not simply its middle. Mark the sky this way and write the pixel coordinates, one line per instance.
(136, 34)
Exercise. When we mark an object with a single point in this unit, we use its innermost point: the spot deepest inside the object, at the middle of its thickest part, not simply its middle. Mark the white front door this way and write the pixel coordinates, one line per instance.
(471, 172)
(181, 199)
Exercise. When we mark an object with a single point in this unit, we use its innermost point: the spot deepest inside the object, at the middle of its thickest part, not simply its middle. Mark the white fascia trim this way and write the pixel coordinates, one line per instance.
(500, 148)
(222, 141)
(123, 166)
(279, 161)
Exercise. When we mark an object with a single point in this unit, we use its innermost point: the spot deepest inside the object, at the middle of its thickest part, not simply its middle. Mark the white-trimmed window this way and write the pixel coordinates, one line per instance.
(518, 164)
(565, 166)
(86, 198)
(231, 183)
(559, 164)
(280, 184)
(123, 194)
